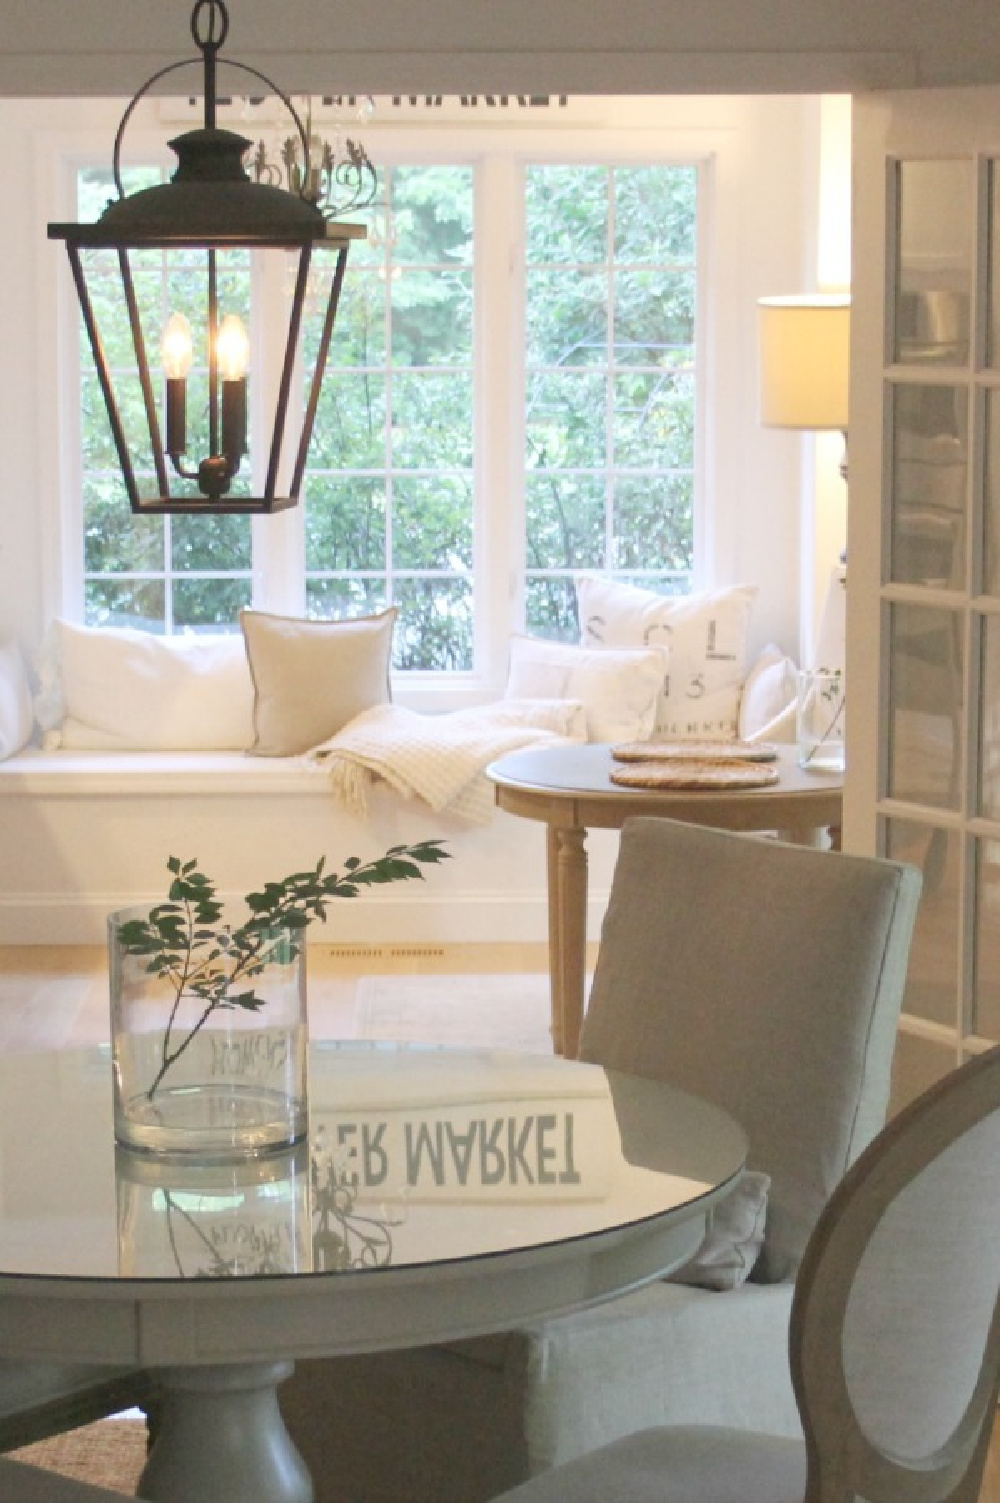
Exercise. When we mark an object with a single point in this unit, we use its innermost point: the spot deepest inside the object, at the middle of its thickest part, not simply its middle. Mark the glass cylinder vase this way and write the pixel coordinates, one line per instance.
(209, 1037)
(820, 719)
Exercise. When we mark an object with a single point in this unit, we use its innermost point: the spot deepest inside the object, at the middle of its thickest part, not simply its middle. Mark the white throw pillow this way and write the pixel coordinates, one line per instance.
(767, 709)
(116, 689)
(618, 690)
(16, 715)
(706, 635)
(311, 677)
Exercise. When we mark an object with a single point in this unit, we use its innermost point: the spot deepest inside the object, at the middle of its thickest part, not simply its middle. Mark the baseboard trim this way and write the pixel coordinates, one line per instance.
(420, 920)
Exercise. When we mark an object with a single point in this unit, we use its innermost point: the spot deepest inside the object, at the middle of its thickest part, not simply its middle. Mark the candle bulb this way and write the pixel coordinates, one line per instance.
(232, 353)
(176, 355)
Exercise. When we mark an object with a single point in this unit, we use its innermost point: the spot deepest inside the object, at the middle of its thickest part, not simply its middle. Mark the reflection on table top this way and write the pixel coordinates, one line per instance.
(417, 1156)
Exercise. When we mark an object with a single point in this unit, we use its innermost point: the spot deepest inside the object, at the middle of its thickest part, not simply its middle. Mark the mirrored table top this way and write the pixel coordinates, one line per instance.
(417, 1156)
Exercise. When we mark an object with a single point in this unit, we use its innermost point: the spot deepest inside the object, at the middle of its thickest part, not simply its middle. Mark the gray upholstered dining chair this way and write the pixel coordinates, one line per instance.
(767, 978)
(895, 1337)
(22, 1483)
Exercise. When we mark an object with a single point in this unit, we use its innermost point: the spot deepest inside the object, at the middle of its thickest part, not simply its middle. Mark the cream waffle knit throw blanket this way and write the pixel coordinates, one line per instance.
(440, 758)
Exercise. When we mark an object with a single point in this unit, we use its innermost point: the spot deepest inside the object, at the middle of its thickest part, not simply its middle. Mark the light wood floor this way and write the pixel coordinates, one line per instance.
(57, 998)
(991, 1481)
(52, 998)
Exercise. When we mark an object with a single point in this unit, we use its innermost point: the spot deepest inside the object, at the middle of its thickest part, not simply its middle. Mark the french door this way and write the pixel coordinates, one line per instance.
(923, 633)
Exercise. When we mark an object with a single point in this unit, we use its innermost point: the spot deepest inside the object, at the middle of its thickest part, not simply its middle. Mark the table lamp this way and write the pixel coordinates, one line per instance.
(804, 360)
(804, 363)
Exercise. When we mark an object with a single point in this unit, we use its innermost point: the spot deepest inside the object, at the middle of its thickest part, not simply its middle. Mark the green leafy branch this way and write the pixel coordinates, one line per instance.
(187, 946)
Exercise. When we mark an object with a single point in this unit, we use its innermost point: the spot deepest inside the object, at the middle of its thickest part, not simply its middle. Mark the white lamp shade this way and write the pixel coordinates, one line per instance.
(804, 360)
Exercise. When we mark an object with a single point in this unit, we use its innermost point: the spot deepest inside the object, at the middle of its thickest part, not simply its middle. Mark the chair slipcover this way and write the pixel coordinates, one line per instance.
(763, 976)
(895, 1337)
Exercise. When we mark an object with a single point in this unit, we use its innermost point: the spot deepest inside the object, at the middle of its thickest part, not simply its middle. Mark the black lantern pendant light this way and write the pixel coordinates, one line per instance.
(209, 208)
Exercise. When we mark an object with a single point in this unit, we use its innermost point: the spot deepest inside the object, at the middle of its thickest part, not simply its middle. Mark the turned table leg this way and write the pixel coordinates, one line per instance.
(571, 929)
(555, 937)
(220, 1437)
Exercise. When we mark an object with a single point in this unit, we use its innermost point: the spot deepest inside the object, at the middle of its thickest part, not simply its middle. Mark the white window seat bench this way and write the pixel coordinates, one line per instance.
(83, 833)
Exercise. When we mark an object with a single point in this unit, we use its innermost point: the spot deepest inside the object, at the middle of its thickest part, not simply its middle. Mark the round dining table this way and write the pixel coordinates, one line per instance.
(439, 1194)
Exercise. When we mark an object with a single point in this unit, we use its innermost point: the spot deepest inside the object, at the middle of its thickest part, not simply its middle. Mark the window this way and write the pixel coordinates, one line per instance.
(390, 493)
(610, 297)
(595, 388)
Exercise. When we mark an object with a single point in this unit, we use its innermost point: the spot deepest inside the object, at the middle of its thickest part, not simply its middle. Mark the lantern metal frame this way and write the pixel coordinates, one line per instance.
(210, 203)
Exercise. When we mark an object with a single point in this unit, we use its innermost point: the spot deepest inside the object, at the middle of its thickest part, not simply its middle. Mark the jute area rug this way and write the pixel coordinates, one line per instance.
(110, 1453)
(495, 1011)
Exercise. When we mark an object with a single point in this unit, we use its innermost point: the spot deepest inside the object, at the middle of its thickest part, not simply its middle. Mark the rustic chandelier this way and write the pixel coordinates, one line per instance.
(209, 210)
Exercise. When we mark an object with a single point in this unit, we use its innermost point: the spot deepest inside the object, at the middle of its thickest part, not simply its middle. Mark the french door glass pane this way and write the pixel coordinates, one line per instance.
(989, 720)
(993, 319)
(933, 968)
(916, 1064)
(929, 476)
(934, 272)
(926, 671)
(991, 499)
(986, 993)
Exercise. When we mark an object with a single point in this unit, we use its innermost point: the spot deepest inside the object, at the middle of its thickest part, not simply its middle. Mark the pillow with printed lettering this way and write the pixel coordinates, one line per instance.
(618, 690)
(705, 636)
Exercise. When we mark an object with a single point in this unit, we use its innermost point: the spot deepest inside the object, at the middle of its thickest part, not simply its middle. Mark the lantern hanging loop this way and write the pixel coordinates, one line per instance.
(218, 11)
(208, 46)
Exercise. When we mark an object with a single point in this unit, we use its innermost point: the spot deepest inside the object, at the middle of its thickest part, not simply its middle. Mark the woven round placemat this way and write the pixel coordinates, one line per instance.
(667, 776)
(695, 751)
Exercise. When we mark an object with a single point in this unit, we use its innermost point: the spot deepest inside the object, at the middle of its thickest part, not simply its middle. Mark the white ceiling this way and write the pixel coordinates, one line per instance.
(562, 46)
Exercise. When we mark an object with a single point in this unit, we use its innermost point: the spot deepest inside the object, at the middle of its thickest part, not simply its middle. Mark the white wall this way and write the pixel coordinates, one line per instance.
(766, 154)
